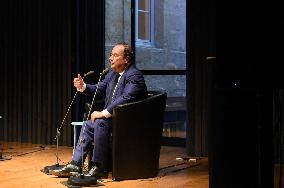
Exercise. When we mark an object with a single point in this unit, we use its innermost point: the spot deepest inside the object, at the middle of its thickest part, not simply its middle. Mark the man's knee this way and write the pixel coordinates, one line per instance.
(89, 124)
(101, 123)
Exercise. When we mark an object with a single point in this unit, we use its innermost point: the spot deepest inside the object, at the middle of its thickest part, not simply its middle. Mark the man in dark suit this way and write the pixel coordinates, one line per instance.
(123, 84)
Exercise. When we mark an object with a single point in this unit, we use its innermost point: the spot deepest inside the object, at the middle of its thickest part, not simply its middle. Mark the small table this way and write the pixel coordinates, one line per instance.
(76, 126)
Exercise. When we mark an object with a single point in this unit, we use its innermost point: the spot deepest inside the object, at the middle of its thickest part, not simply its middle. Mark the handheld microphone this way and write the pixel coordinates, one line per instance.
(105, 71)
(89, 73)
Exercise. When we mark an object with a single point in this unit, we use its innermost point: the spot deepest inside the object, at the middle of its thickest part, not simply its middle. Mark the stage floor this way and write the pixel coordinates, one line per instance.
(23, 170)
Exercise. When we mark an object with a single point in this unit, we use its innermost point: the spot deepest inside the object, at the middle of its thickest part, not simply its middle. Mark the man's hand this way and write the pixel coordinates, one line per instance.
(96, 115)
(78, 82)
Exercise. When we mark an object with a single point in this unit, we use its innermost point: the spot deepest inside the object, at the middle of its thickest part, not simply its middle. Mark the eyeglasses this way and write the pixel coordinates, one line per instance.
(114, 55)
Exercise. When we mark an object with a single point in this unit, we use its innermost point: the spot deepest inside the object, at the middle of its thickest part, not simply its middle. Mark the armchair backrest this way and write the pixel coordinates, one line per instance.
(136, 134)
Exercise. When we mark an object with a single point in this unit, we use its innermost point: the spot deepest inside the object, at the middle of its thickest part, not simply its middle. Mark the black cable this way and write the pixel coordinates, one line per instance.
(177, 170)
(25, 153)
(29, 152)
(171, 166)
(184, 159)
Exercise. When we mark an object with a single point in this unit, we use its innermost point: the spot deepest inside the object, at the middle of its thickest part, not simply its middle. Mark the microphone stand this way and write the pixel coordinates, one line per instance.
(56, 166)
(2, 158)
(83, 180)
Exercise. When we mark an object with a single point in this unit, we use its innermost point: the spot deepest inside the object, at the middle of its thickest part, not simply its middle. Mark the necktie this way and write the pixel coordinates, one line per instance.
(109, 100)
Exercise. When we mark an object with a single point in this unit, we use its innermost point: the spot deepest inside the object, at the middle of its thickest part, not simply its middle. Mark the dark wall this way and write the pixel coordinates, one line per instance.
(35, 69)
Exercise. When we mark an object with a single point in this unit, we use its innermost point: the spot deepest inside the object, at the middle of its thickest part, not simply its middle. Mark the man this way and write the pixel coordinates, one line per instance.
(123, 84)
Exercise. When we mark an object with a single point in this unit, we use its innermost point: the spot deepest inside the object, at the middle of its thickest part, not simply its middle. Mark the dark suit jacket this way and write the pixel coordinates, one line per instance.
(131, 87)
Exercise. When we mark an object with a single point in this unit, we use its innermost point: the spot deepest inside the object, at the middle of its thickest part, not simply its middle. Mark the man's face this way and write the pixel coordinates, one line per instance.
(117, 61)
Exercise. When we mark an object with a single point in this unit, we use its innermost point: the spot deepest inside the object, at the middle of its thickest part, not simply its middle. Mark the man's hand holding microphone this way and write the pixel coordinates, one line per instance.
(81, 86)
(79, 82)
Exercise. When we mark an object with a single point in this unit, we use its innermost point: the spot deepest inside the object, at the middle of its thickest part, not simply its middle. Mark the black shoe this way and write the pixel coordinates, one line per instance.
(97, 172)
(66, 171)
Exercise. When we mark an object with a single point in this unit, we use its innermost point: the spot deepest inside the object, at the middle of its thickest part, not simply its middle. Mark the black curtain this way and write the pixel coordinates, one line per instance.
(44, 45)
(88, 46)
(35, 57)
(201, 60)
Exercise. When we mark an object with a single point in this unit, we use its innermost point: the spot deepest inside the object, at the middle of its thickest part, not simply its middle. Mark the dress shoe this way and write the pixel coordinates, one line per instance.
(97, 172)
(66, 171)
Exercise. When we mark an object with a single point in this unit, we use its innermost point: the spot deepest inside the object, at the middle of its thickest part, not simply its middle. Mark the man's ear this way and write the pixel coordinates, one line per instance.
(127, 58)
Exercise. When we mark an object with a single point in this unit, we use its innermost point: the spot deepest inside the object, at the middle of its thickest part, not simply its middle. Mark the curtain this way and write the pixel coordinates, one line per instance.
(35, 58)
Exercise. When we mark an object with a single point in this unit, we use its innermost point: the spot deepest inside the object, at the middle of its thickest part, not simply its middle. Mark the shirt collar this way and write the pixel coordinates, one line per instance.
(121, 73)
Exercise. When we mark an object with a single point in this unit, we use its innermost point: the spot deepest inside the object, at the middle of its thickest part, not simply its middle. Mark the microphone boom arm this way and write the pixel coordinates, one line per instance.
(58, 129)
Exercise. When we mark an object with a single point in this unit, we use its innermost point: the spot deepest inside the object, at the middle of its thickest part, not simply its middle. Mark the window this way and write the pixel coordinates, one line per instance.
(144, 22)
(159, 36)
(160, 53)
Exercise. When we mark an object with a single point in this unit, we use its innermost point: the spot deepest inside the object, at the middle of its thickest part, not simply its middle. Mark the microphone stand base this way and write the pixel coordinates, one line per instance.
(2, 158)
(47, 169)
(82, 180)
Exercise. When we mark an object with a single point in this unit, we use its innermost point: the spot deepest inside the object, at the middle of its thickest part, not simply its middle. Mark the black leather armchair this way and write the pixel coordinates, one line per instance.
(136, 136)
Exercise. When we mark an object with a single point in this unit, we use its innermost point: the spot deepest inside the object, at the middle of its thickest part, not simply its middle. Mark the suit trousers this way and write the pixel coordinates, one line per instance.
(99, 132)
